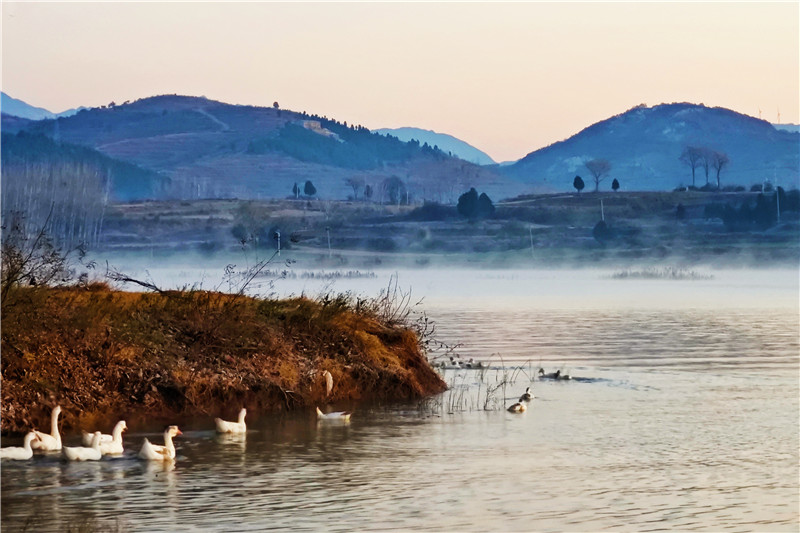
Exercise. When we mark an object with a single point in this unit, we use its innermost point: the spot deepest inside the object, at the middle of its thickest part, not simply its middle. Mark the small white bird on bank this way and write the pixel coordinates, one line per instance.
(51, 442)
(154, 452)
(338, 415)
(80, 453)
(527, 396)
(232, 427)
(20, 453)
(518, 407)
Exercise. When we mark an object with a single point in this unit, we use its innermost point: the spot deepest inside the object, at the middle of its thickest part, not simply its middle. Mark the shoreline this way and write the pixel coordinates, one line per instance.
(105, 354)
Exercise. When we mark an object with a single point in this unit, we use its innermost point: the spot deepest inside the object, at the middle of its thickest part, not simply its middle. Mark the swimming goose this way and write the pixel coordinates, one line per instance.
(154, 452)
(338, 415)
(114, 447)
(19, 453)
(51, 442)
(80, 453)
(527, 396)
(232, 427)
(518, 407)
(87, 436)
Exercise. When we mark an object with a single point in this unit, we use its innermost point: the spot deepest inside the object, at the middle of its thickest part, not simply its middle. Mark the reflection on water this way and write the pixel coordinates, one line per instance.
(687, 419)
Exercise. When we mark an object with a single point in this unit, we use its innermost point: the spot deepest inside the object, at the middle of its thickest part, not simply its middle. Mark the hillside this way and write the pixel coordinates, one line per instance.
(644, 144)
(213, 149)
(445, 142)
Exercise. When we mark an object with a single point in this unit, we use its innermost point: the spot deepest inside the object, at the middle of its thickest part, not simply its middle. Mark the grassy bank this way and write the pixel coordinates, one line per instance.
(105, 354)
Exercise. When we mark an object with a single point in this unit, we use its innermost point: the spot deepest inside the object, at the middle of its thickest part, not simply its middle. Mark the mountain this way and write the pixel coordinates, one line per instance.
(644, 145)
(788, 127)
(18, 108)
(210, 149)
(445, 142)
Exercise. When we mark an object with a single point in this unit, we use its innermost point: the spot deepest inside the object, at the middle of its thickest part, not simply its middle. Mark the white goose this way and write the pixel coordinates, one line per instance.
(338, 415)
(527, 396)
(20, 453)
(232, 427)
(154, 452)
(81, 453)
(518, 407)
(87, 436)
(51, 442)
(113, 447)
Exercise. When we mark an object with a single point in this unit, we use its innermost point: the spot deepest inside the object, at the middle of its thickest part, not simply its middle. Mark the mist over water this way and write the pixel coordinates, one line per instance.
(682, 415)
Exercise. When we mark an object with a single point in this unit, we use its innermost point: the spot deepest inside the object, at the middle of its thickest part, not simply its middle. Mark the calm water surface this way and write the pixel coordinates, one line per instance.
(686, 418)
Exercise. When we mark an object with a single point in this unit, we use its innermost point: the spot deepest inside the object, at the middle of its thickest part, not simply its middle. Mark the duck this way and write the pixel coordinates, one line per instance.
(527, 396)
(81, 453)
(154, 452)
(20, 453)
(518, 407)
(557, 375)
(338, 415)
(114, 446)
(49, 442)
(232, 427)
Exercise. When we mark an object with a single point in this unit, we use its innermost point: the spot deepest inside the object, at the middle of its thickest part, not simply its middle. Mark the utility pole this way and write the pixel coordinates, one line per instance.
(328, 230)
(530, 231)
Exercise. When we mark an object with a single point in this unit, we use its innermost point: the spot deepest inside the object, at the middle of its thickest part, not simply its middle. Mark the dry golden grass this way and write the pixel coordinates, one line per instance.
(105, 354)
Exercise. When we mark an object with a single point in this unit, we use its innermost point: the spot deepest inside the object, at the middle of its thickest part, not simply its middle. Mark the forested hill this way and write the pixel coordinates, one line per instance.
(67, 183)
(211, 149)
(644, 145)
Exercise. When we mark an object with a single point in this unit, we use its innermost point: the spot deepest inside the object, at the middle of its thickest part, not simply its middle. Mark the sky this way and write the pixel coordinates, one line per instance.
(508, 78)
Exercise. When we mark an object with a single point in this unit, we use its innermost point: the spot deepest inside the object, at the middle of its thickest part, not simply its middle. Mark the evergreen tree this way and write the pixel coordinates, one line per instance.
(578, 184)
(309, 189)
(615, 185)
(296, 190)
(485, 206)
(468, 203)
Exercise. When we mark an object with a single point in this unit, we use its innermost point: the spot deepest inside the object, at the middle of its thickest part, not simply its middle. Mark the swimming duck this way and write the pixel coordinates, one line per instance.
(80, 453)
(518, 407)
(154, 452)
(20, 453)
(553, 375)
(51, 442)
(232, 427)
(338, 415)
(527, 396)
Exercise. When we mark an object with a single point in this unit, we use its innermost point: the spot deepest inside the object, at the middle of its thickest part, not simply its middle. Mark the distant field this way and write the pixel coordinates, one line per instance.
(558, 229)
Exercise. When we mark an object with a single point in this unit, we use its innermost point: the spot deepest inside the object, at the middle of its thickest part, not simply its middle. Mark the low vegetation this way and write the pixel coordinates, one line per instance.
(103, 353)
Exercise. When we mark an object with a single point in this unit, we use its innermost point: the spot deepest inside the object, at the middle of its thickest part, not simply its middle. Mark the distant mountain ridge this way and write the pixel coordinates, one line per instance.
(210, 149)
(644, 145)
(445, 142)
(18, 108)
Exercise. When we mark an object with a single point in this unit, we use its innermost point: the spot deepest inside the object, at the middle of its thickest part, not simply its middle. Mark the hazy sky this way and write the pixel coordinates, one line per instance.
(507, 78)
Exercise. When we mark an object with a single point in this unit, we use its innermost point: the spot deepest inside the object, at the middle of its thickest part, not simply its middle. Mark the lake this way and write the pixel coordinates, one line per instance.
(682, 414)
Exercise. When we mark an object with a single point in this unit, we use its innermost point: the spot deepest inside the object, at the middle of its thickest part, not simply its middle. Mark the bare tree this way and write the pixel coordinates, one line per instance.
(692, 156)
(356, 183)
(718, 162)
(599, 168)
(705, 161)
